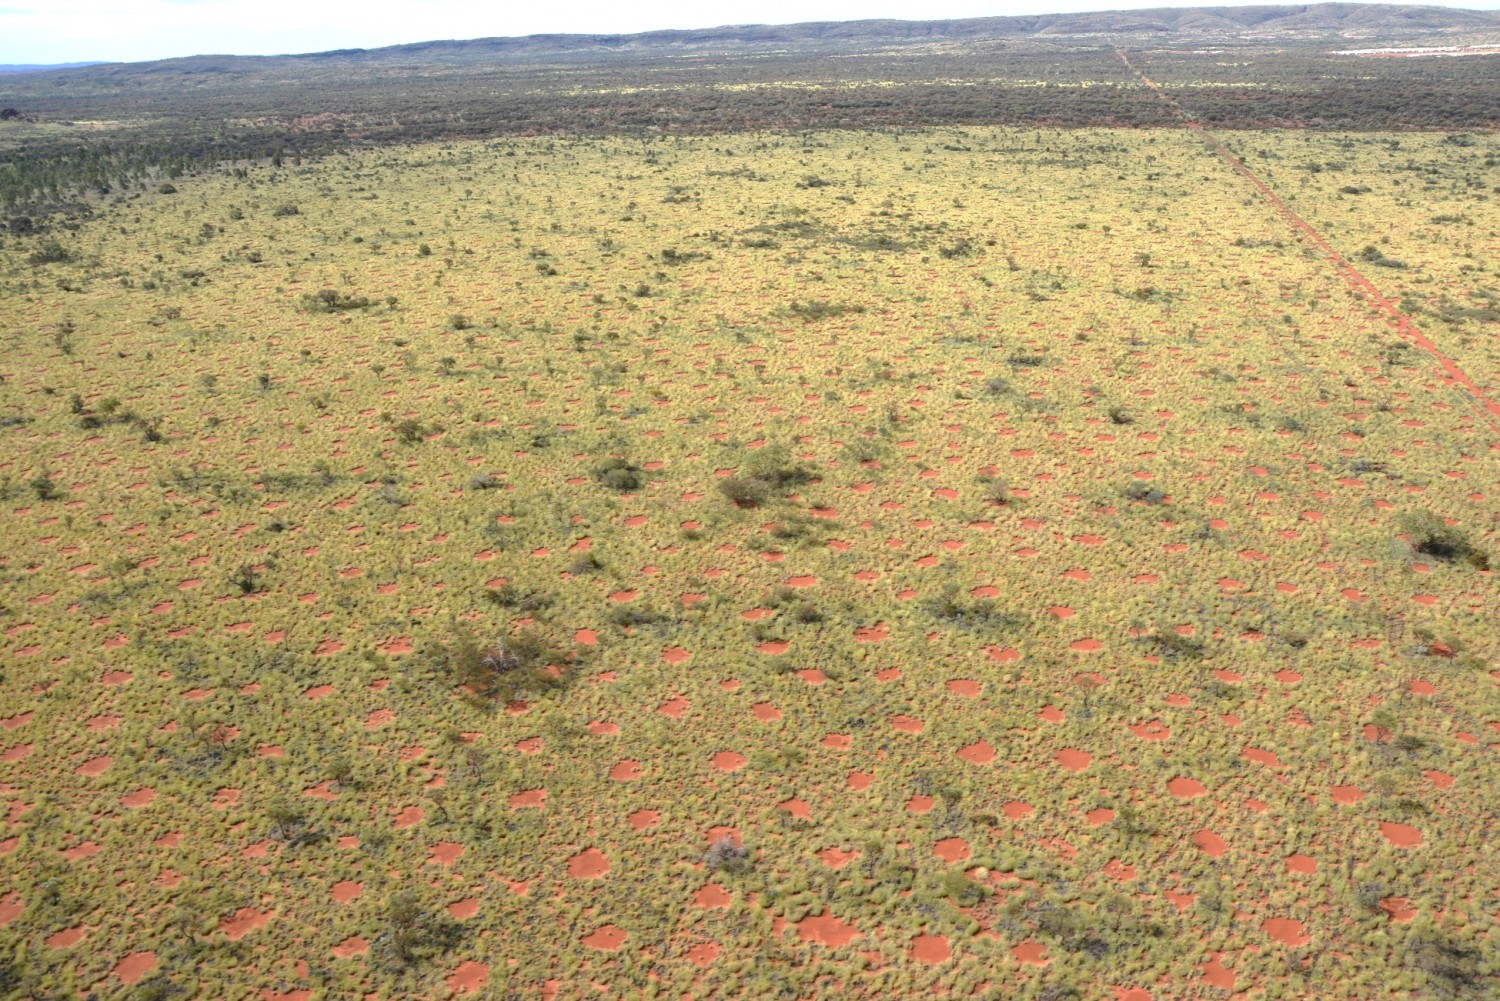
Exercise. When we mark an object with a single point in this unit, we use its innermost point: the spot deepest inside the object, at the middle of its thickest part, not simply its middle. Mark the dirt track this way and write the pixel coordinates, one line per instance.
(1453, 375)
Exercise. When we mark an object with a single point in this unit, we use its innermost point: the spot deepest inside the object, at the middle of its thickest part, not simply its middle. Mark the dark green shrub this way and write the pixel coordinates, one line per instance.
(49, 252)
(744, 491)
(815, 310)
(1145, 493)
(1432, 536)
(333, 301)
(724, 854)
(503, 672)
(620, 474)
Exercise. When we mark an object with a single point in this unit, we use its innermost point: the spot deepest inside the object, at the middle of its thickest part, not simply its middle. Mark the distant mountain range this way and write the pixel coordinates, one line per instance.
(34, 67)
(1265, 23)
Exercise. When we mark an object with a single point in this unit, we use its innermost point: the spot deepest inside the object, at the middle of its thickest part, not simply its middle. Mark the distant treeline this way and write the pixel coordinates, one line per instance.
(155, 122)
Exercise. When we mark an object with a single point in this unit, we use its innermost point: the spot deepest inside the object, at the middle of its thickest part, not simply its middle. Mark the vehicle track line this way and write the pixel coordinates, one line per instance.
(1454, 377)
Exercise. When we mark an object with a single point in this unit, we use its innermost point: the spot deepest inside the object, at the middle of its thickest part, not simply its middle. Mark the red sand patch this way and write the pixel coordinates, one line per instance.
(67, 938)
(713, 897)
(1286, 931)
(1346, 795)
(1255, 754)
(1031, 953)
(346, 890)
(1400, 834)
(827, 930)
(979, 753)
(931, 949)
(704, 953)
(141, 797)
(351, 947)
(20, 752)
(606, 939)
(1400, 909)
(1073, 760)
(626, 771)
(464, 909)
(80, 852)
(243, 922)
(907, 724)
(1215, 974)
(444, 853)
(588, 864)
(1212, 845)
(468, 978)
(729, 761)
(531, 798)
(642, 820)
(135, 966)
(96, 766)
(1304, 865)
(952, 850)
(1185, 788)
(676, 707)
(396, 647)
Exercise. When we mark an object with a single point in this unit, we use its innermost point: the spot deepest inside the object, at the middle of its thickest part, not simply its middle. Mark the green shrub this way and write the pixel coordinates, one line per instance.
(49, 252)
(1432, 536)
(333, 301)
(744, 491)
(727, 856)
(621, 475)
(503, 671)
(1145, 493)
(815, 310)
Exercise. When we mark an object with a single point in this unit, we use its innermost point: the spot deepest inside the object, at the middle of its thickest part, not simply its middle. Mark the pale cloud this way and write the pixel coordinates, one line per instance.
(129, 30)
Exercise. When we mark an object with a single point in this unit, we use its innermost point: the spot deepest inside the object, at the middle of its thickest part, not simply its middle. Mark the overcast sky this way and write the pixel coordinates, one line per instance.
(55, 31)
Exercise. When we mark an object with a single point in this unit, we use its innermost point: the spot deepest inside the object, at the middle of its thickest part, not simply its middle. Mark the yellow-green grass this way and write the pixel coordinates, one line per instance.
(909, 318)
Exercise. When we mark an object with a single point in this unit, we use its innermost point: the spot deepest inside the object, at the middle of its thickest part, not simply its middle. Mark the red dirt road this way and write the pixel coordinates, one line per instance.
(1454, 376)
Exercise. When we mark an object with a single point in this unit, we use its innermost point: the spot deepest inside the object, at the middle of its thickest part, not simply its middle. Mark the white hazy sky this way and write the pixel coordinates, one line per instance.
(54, 31)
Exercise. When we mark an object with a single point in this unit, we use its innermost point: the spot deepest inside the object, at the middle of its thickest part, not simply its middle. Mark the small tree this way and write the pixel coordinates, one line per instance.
(725, 854)
(744, 491)
(621, 475)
